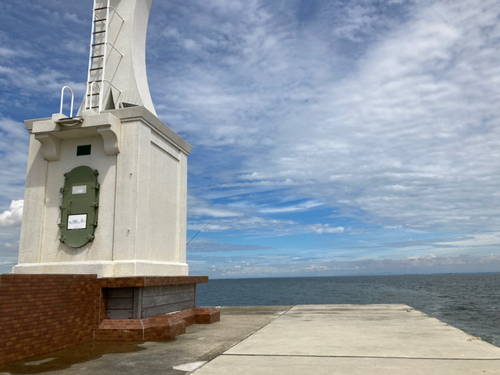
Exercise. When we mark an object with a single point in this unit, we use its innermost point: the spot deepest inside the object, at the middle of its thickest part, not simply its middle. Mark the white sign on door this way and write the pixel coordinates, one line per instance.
(82, 189)
(77, 221)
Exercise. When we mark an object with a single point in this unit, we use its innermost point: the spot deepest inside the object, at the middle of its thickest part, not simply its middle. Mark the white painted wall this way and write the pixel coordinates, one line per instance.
(142, 168)
(143, 198)
(102, 247)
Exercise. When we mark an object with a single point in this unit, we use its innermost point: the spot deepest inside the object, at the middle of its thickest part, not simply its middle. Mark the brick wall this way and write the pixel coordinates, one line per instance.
(40, 314)
(159, 327)
(44, 313)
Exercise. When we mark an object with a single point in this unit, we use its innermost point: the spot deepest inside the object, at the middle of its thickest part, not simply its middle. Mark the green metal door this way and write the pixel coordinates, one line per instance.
(80, 206)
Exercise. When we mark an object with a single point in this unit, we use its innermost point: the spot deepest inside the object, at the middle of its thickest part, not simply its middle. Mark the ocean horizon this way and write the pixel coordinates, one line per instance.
(359, 275)
(468, 301)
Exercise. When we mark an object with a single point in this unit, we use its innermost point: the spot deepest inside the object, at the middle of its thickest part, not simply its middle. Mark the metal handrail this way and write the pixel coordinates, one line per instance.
(92, 93)
(111, 45)
(106, 43)
(62, 100)
(104, 54)
(109, 83)
(114, 10)
(120, 91)
(100, 91)
(90, 59)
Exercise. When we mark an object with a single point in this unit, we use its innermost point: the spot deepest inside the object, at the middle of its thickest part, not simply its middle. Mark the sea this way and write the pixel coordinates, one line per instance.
(470, 302)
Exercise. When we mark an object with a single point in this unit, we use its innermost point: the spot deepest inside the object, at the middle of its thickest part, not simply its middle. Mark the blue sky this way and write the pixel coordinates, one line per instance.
(330, 137)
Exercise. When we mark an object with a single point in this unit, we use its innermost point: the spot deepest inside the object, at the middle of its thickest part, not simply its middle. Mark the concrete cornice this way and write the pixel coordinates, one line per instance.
(106, 124)
(143, 114)
(29, 123)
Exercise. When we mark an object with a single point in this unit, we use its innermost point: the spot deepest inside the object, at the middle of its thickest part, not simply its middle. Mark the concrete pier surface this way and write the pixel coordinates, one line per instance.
(357, 339)
(305, 339)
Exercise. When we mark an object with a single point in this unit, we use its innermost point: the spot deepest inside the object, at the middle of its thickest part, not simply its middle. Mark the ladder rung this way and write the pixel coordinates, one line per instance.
(101, 20)
(99, 32)
(101, 8)
(97, 44)
(97, 57)
(97, 93)
(99, 80)
(96, 69)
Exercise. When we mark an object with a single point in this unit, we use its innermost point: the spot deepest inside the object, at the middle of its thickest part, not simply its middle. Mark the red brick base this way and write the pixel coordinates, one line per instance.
(206, 315)
(40, 314)
(158, 327)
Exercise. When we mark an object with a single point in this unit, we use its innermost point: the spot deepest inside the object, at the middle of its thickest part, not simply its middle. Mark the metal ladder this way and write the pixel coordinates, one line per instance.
(101, 13)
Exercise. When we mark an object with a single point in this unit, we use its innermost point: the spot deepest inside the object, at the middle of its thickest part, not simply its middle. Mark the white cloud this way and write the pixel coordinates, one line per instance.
(73, 18)
(324, 228)
(256, 266)
(408, 137)
(258, 225)
(487, 239)
(208, 228)
(208, 245)
(357, 20)
(187, 43)
(245, 224)
(199, 207)
(47, 81)
(7, 52)
(13, 156)
(317, 268)
(13, 216)
(386, 117)
(294, 208)
(211, 212)
(11, 247)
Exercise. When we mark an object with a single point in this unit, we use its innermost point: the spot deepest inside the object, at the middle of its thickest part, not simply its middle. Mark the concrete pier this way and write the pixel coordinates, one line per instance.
(312, 339)
(363, 339)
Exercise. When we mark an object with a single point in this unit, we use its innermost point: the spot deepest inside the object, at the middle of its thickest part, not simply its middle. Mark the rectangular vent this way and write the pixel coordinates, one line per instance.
(83, 150)
(127, 105)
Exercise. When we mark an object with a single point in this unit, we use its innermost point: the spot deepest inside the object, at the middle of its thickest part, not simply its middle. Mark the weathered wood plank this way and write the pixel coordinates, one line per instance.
(120, 292)
(120, 303)
(165, 309)
(166, 299)
(119, 314)
(167, 289)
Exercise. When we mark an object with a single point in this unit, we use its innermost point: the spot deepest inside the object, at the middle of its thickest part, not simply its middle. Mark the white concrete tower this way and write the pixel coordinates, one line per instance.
(106, 191)
(119, 29)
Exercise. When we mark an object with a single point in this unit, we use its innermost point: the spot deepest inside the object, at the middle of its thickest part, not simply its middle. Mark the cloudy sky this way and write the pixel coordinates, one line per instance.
(330, 137)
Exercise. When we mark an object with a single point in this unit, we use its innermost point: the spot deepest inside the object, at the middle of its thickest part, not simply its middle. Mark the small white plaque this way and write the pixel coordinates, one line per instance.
(82, 189)
(77, 221)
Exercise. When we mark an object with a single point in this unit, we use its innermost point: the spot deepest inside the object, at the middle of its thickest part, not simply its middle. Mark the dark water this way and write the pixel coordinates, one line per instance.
(470, 302)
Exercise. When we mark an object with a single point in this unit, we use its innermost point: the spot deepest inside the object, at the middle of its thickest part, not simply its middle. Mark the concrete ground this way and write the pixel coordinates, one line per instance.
(361, 339)
(200, 343)
(316, 339)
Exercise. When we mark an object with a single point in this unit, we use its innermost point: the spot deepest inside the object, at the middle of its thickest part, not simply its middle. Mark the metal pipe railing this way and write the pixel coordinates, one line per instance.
(62, 100)
(103, 55)
(92, 93)
(101, 95)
